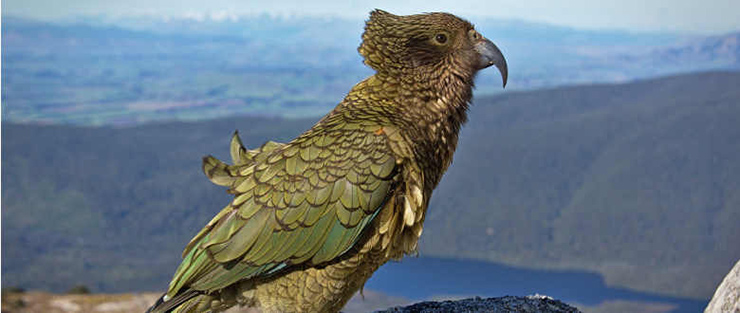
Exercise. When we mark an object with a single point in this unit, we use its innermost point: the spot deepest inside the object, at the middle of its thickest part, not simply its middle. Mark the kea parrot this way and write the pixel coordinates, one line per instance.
(312, 219)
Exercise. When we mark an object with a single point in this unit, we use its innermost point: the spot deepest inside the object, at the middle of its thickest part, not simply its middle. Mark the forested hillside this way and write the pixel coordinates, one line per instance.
(640, 182)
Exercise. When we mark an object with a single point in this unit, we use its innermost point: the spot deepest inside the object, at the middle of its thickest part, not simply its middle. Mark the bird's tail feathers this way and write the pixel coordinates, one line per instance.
(183, 301)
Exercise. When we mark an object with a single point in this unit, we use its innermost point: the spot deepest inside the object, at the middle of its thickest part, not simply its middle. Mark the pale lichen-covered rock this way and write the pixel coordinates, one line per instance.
(727, 296)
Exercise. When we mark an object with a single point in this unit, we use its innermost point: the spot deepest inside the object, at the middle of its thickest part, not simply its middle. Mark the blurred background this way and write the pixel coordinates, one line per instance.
(606, 174)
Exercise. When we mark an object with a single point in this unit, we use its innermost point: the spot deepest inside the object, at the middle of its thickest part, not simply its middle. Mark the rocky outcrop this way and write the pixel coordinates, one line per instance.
(727, 297)
(535, 303)
(43, 302)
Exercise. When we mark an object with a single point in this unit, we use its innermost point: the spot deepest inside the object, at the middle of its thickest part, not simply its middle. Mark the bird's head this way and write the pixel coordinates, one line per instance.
(426, 43)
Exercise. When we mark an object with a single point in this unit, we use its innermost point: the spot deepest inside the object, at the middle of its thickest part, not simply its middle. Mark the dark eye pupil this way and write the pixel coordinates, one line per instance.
(441, 38)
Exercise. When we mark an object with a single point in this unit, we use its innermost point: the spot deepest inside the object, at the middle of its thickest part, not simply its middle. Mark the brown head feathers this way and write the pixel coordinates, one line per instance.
(397, 43)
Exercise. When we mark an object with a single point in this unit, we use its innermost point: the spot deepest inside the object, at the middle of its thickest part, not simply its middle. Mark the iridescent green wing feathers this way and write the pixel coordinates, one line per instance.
(303, 202)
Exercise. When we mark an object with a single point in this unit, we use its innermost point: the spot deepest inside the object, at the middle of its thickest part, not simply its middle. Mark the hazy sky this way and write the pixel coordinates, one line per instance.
(697, 16)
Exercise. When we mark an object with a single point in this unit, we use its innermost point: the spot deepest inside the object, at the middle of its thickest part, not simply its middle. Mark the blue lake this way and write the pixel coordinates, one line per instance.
(422, 278)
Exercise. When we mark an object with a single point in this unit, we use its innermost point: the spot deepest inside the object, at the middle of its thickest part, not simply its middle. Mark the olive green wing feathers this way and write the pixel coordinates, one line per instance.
(306, 202)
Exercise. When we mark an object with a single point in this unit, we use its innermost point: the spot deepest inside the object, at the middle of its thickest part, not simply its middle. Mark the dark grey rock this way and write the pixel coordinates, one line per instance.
(494, 305)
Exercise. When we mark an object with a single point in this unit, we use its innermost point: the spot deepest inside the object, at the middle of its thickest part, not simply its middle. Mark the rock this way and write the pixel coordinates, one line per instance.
(43, 302)
(727, 296)
(534, 303)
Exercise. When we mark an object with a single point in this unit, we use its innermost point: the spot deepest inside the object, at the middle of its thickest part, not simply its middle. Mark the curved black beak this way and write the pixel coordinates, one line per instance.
(490, 55)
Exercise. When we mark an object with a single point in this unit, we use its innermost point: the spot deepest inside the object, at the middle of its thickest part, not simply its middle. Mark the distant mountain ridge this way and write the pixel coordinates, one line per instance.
(129, 71)
(718, 52)
(722, 49)
(637, 181)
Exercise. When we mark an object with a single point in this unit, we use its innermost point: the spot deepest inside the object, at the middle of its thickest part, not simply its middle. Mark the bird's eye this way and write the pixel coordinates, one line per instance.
(441, 38)
(476, 35)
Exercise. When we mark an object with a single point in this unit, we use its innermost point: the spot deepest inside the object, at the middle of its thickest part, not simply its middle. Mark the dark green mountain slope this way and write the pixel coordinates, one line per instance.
(111, 208)
(638, 181)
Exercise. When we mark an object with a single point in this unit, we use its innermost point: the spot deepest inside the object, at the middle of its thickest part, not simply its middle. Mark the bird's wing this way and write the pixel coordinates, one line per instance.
(305, 202)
